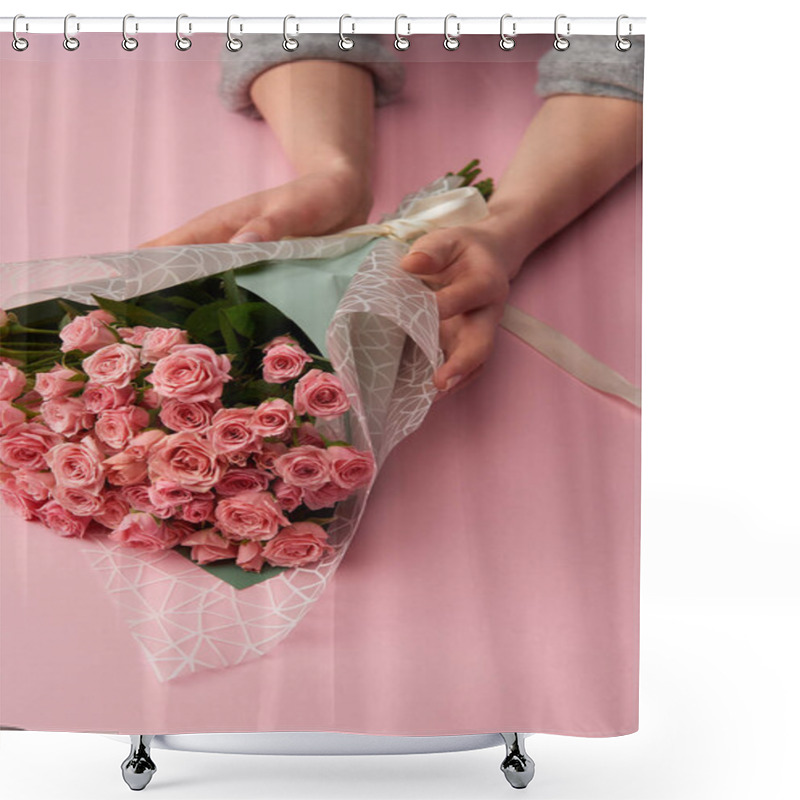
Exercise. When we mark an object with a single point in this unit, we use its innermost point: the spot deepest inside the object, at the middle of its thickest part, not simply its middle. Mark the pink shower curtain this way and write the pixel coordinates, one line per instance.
(493, 582)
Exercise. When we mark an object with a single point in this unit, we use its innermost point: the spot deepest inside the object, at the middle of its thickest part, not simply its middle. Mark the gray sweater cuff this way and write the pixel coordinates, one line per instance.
(593, 65)
(262, 51)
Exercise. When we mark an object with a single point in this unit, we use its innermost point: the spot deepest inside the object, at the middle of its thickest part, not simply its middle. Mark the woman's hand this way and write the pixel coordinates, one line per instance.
(470, 269)
(314, 204)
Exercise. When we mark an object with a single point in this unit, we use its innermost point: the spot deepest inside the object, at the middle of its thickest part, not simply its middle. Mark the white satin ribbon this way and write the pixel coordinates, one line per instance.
(461, 206)
(464, 206)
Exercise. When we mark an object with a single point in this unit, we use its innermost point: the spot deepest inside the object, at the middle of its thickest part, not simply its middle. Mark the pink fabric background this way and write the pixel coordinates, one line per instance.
(494, 583)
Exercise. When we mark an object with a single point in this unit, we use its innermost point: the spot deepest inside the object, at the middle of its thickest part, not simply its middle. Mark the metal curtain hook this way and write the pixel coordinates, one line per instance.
(289, 42)
(451, 42)
(506, 41)
(233, 44)
(560, 42)
(623, 44)
(70, 42)
(17, 42)
(400, 42)
(345, 42)
(128, 42)
(181, 41)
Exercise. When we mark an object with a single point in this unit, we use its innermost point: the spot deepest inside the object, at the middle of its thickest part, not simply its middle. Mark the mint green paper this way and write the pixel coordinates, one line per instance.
(229, 572)
(305, 290)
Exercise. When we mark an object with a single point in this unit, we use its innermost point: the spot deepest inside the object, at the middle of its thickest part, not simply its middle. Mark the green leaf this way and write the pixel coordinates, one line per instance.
(204, 321)
(133, 314)
(254, 319)
(229, 335)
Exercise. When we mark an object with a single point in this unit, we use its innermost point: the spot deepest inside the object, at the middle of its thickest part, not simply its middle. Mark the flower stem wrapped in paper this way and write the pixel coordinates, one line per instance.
(214, 428)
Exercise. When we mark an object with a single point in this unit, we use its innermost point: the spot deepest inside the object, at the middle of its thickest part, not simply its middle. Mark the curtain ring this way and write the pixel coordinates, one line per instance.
(451, 42)
(507, 42)
(345, 42)
(181, 41)
(623, 44)
(560, 42)
(17, 42)
(70, 42)
(129, 43)
(233, 44)
(400, 42)
(289, 42)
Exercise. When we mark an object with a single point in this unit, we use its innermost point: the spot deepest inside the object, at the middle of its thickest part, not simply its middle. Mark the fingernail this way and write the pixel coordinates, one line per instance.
(452, 382)
(245, 238)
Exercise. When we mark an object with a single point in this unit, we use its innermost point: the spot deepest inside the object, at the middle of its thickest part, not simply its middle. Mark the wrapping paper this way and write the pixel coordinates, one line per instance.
(383, 344)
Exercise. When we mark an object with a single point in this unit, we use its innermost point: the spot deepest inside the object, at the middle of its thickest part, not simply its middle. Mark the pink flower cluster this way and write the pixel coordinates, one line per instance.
(133, 441)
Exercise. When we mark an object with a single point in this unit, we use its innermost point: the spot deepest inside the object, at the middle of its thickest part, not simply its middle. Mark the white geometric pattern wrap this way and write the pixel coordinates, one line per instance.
(383, 344)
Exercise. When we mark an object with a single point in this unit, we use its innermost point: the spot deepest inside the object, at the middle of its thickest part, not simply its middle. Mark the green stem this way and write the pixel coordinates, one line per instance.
(16, 326)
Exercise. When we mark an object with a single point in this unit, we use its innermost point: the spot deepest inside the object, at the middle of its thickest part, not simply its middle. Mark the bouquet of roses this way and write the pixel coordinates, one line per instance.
(170, 406)
(144, 435)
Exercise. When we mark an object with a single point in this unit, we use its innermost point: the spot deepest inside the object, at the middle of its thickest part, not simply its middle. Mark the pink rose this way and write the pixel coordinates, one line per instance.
(265, 456)
(306, 466)
(159, 342)
(284, 339)
(130, 466)
(289, 497)
(189, 417)
(166, 494)
(125, 469)
(134, 335)
(325, 496)
(115, 509)
(238, 480)
(117, 426)
(145, 532)
(138, 496)
(114, 365)
(58, 382)
(199, 509)
(282, 362)
(350, 468)
(250, 515)
(10, 416)
(97, 397)
(36, 485)
(191, 372)
(12, 382)
(298, 545)
(209, 545)
(78, 501)
(25, 446)
(150, 399)
(20, 504)
(308, 434)
(249, 556)
(320, 394)
(77, 465)
(273, 418)
(64, 522)
(88, 333)
(66, 415)
(232, 430)
(185, 459)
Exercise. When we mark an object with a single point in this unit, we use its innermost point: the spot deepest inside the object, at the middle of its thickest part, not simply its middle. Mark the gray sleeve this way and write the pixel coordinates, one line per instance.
(261, 51)
(593, 65)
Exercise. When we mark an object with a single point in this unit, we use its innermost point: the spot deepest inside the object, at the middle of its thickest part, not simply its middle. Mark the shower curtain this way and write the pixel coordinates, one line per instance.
(469, 560)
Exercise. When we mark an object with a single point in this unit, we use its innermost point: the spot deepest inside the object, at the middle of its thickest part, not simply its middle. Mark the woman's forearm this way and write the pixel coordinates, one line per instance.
(322, 114)
(575, 150)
